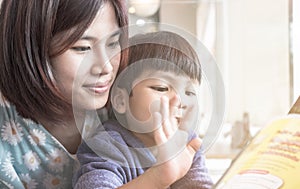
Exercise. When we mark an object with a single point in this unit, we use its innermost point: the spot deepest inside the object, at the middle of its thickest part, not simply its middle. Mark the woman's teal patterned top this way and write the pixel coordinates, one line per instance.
(30, 157)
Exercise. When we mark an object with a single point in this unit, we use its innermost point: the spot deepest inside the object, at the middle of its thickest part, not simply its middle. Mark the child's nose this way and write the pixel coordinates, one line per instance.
(176, 101)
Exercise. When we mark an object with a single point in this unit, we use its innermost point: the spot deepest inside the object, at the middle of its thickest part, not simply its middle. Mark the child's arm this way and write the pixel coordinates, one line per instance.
(197, 176)
(163, 175)
(96, 172)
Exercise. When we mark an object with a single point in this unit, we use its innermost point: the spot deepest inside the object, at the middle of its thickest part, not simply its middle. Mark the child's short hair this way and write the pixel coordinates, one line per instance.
(159, 51)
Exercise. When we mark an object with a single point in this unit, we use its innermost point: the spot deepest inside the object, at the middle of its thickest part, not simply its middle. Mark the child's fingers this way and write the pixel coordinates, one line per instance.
(159, 135)
(194, 145)
(164, 105)
(175, 104)
(167, 127)
(169, 121)
(174, 147)
(176, 111)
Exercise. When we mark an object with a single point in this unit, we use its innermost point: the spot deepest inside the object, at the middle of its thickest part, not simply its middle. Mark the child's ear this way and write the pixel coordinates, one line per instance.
(119, 100)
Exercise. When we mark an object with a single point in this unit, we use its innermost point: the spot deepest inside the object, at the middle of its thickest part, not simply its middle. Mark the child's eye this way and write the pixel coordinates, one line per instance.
(160, 88)
(190, 93)
(81, 48)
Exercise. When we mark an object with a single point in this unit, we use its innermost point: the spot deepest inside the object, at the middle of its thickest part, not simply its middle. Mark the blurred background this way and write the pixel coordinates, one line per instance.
(256, 45)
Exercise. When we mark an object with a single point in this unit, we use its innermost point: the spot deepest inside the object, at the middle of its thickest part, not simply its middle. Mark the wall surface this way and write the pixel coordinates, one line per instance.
(258, 59)
(252, 53)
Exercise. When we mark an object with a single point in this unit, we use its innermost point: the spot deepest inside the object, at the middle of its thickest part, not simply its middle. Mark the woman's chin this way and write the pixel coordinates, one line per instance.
(90, 103)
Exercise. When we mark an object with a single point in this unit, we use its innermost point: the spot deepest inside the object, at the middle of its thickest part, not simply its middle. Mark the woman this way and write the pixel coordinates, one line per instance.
(58, 59)
(43, 43)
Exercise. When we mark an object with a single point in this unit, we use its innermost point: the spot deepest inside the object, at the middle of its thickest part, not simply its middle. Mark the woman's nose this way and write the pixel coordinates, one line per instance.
(101, 63)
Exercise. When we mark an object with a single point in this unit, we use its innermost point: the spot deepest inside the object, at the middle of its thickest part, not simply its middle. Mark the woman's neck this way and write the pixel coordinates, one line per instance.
(66, 132)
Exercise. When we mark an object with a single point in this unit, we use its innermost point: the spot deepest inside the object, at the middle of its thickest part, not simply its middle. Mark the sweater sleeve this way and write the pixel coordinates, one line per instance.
(103, 179)
(106, 161)
(197, 177)
(95, 171)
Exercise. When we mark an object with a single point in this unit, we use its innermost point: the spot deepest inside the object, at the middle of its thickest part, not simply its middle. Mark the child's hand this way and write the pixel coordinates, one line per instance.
(174, 153)
(165, 174)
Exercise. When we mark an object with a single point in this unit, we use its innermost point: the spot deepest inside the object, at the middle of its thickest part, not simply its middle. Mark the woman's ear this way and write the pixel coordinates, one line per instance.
(119, 100)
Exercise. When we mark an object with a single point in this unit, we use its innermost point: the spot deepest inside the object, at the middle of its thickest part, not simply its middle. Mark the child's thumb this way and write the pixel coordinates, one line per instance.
(194, 145)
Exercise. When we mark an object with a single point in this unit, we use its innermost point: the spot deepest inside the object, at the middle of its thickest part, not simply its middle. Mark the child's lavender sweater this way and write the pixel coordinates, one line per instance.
(114, 161)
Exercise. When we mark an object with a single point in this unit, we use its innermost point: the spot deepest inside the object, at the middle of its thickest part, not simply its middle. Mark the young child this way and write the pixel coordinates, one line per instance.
(155, 103)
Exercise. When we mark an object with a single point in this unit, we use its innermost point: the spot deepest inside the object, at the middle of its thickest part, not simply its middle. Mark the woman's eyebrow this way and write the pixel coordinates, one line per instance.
(92, 38)
(116, 33)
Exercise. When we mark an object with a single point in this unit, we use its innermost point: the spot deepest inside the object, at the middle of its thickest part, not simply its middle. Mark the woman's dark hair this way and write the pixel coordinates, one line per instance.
(28, 28)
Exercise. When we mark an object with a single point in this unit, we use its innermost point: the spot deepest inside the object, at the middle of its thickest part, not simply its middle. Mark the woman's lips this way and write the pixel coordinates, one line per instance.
(98, 88)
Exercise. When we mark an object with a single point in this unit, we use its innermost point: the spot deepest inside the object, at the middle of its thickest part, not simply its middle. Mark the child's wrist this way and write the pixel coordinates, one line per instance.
(158, 181)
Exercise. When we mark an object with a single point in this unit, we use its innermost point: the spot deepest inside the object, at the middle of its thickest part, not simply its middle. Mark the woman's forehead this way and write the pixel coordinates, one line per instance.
(104, 25)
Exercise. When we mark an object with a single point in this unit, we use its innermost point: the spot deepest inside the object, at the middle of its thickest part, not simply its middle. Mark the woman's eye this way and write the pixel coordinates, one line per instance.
(160, 88)
(81, 48)
(114, 44)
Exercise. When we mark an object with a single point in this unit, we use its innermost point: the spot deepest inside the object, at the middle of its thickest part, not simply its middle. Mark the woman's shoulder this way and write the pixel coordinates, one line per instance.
(14, 129)
(7, 111)
(29, 154)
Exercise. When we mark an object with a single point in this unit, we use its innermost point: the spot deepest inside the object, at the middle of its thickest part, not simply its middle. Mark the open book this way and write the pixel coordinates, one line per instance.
(271, 160)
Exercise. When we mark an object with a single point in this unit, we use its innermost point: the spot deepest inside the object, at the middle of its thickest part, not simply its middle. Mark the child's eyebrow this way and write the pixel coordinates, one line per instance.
(167, 77)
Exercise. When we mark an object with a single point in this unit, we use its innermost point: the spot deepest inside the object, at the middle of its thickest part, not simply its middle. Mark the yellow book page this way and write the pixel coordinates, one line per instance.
(270, 161)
